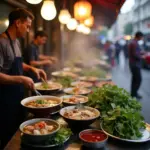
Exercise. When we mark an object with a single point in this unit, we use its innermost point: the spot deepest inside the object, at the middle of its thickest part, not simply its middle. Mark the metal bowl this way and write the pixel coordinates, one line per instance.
(38, 138)
(48, 91)
(79, 123)
(71, 104)
(43, 111)
(98, 144)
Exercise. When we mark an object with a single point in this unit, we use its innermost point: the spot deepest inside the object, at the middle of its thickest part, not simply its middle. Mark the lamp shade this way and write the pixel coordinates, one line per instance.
(72, 24)
(48, 10)
(82, 10)
(64, 16)
(34, 1)
(89, 22)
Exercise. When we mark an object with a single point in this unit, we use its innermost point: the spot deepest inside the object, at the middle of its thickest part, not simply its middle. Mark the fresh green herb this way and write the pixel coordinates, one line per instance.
(120, 112)
(65, 81)
(45, 85)
(40, 101)
(60, 136)
(94, 72)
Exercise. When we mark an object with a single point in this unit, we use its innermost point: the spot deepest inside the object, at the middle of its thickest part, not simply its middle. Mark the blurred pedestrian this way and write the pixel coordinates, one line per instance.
(125, 50)
(117, 51)
(135, 56)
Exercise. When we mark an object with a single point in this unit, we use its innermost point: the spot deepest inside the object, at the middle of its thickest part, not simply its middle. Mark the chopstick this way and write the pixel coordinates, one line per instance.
(44, 81)
(37, 93)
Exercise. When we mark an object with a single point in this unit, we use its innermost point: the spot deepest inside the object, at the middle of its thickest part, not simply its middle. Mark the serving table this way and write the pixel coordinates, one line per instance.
(74, 142)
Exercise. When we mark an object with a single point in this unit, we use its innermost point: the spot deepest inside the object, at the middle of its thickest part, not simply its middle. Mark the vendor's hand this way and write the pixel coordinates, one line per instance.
(40, 73)
(27, 82)
(48, 62)
(53, 59)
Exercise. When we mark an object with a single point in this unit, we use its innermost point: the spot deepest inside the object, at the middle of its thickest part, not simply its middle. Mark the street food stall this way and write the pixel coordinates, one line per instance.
(81, 108)
(81, 112)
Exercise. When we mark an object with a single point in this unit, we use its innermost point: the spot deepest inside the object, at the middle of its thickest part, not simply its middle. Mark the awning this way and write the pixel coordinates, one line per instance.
(106, 11)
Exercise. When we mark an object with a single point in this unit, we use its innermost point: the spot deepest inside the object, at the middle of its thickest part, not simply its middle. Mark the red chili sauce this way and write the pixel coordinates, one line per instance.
(93, 136)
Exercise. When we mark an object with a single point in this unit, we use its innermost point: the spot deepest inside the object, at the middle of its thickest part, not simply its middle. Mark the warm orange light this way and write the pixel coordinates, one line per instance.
(82, 10)
(89, 22)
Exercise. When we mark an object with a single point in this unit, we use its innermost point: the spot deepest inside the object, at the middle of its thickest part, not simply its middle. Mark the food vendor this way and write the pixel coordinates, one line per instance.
(33, 57)
(12, 82)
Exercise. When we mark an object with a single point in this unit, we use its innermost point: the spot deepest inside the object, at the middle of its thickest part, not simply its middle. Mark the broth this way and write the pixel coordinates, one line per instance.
(42, 103)
(40, 128)
(80, 114)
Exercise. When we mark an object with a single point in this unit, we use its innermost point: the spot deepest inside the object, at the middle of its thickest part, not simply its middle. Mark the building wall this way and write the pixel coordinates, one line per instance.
(141, 19)
(117, 29)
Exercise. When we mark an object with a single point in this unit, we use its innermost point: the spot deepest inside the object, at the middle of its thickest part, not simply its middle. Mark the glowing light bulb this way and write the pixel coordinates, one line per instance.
(34, 1)
(72, 24)
(48, 10)
(86, 30)
(6, 23)
(80, 27)
(89, 22)
(64, 16)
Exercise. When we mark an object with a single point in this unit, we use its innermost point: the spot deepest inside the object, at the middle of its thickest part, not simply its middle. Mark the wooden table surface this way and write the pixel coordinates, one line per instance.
(15, 143)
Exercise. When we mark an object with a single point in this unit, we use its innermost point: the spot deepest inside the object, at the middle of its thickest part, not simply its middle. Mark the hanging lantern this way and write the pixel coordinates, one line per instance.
(34, 1)
(64, 16)
(72, 24)
(82, 10)
(48, 10)
(89, 22)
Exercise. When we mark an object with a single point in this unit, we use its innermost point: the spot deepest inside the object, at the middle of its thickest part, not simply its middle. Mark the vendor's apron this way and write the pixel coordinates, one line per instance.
(11, 113)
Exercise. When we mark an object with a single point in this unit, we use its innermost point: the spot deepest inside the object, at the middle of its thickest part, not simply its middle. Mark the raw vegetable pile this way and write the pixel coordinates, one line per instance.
(121, 114)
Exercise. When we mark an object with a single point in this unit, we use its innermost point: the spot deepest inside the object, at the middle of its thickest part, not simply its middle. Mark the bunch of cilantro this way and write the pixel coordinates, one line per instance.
(121, 114)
